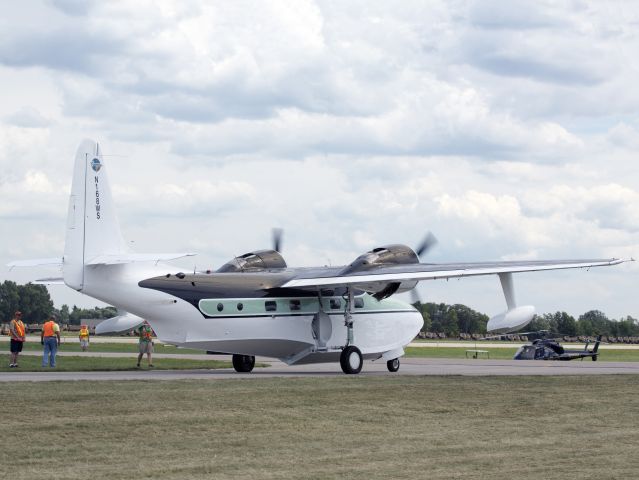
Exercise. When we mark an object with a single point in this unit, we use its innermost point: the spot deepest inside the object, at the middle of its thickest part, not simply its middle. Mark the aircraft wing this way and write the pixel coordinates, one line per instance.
(36, 262)
(115, 259)
(49, 281)
(433, 271)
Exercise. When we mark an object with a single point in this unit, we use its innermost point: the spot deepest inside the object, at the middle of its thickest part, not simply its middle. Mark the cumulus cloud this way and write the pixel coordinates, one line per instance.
(509, 130)
(41, 197)
(28, 117)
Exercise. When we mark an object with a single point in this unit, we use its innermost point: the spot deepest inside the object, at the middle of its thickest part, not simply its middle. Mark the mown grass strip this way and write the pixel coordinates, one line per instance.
(104, 347)
(426, 352)
(324, 428)
(507, 353)
(29, 363)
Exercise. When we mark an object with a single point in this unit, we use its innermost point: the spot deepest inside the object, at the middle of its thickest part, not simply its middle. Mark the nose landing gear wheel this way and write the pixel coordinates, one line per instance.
(243, 363)
(393, 365)
(351, 360)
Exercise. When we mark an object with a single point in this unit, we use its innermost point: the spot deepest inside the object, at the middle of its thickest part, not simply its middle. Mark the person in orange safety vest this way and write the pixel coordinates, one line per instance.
(50, 338)
(18, 336)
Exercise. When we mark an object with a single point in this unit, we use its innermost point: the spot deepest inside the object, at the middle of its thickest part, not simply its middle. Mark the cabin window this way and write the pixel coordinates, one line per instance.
(270, 306)
(335, 303)
(220, 307)
(295, 305)
(240, 306)
(327, 292)
(359, 302)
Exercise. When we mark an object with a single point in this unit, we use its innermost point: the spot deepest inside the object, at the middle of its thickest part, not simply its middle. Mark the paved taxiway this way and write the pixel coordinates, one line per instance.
(410, 366)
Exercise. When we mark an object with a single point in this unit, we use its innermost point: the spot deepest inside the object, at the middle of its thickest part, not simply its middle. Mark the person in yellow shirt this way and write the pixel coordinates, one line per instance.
(50, 338)
(84, 338)
(18, 336)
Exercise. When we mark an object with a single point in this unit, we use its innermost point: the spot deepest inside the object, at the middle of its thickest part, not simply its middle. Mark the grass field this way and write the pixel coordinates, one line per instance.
(347, 427)
(507, 353)
(29, 363)
(428, 352)
(102, 347)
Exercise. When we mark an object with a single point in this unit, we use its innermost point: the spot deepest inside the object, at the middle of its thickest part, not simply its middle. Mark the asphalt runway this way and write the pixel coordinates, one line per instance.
(409, 367)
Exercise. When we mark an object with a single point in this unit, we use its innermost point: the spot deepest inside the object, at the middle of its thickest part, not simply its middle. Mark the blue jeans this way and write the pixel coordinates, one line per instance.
(50, 349)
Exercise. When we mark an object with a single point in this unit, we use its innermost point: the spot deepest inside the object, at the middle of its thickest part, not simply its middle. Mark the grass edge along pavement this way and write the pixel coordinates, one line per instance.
(508, 353)
(324, 428)
(605, 355)
(33, 363)
(101, 347)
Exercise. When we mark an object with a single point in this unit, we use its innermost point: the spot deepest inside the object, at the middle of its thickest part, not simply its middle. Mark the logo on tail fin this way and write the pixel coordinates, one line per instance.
(96, 165)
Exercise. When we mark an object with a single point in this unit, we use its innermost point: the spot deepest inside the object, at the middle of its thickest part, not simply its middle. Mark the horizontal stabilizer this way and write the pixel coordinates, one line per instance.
(124, 322)
(115, 259)
(49, 281)
(36, 262)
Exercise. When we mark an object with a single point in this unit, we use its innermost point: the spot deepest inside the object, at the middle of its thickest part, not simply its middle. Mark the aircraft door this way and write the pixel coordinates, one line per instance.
(322, 328)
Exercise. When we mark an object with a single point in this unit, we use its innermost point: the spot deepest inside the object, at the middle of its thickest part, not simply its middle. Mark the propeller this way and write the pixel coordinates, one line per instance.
(277, 239)
(428, 242)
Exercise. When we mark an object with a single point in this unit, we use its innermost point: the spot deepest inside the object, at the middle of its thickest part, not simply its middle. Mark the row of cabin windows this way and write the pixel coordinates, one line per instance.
(295, 305)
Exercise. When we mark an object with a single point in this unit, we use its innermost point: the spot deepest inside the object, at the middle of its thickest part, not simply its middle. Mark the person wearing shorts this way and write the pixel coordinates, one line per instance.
(145, 332)
(17, 332)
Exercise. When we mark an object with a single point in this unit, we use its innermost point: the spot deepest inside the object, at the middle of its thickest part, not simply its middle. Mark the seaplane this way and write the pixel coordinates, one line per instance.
(256, 305)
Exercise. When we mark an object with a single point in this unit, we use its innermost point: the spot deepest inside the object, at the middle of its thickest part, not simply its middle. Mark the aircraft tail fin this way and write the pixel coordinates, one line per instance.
(92, 226)
(596, 347)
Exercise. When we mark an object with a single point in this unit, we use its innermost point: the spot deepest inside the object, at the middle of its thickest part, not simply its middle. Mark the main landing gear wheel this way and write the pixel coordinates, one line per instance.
(243, 363)
(351, 360)
(393, 365)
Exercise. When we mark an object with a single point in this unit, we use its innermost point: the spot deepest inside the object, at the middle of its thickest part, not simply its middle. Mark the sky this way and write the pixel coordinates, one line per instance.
(508, 129)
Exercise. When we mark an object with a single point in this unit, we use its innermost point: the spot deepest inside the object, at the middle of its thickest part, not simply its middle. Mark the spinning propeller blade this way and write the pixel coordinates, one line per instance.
(415, 297)
(277, 239)
(428, 242)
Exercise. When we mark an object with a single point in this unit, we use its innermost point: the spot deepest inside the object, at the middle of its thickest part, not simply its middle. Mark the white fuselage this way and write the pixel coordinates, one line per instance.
(378, 327)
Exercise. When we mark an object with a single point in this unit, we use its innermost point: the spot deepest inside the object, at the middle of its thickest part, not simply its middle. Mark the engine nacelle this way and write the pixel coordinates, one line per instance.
(511, 320)
(253, 261)
(382, 257)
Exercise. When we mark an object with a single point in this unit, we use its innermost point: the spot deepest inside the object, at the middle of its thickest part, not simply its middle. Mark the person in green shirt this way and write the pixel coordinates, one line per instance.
(145, 332)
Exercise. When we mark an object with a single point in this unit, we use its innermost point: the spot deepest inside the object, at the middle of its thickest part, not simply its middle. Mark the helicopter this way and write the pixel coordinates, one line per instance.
(551, 349)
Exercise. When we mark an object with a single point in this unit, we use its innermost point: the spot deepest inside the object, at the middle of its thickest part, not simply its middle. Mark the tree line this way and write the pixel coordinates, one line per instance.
(36, 305)
(455, 319)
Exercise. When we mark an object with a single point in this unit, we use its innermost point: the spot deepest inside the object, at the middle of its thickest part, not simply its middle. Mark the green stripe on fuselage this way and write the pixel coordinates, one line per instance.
(246, 307)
